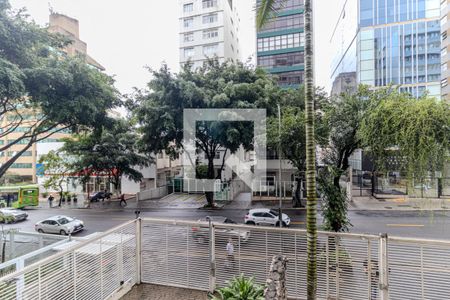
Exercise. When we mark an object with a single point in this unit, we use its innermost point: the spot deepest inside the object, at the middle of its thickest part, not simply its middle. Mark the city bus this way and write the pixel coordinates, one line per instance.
(19, 196)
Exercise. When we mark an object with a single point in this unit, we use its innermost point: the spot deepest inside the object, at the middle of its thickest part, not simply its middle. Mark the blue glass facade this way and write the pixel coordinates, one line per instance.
(399, 43)
(280, 44)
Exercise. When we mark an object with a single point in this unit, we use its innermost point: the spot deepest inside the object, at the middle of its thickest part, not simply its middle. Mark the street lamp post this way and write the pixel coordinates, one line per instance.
(280, 215)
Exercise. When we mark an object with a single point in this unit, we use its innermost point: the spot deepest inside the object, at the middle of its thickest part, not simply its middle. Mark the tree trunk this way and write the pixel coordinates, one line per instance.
(210, 195)
(311, 214)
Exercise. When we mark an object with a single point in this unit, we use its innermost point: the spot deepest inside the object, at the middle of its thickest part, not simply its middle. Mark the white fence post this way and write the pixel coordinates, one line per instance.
(383, 267)
(138, 250)
(212, 251)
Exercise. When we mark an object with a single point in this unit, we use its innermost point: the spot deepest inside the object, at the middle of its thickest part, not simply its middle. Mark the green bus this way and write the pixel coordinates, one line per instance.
(19, 196)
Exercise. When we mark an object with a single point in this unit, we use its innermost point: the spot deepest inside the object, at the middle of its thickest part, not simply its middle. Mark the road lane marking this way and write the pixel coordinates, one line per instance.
(297, 222)
(405, 225)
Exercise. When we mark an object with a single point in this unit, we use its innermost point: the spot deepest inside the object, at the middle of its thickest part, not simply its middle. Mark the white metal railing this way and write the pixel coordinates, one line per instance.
(93, 269)
(350, 266)
(193, 255)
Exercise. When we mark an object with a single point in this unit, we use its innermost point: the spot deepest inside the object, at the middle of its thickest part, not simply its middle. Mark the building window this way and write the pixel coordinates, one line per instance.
(189, 37)
(187, 8)
(21, 142)
(21, 166)
(210, 19)
(291, 78)
(209, 3)
(444, 82)
(232, 48)
(281, 42)
(49, 140)
(443, 52)
(188, 22)
(210, 34)
(444, 67)
(282, 23)
(2, 142)
(210, 50)
(443, 35)
(26, 153)
(189, 52)
(281, 60)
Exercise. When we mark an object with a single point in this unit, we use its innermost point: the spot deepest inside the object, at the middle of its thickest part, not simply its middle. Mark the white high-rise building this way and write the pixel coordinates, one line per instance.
(208, 28)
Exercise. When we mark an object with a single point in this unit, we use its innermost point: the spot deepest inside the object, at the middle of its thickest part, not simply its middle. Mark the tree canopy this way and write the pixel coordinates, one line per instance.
(415, 133)
(42, 89)
(109, 151)
(159, 110)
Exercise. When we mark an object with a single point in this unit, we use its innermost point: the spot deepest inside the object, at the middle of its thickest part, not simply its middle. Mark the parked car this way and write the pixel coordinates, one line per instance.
(201, 233)
(265, 216)
(97, 196)
(59, 224)
(9, 215)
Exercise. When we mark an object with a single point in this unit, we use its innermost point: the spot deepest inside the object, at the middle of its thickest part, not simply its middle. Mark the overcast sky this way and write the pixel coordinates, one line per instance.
(125, 36)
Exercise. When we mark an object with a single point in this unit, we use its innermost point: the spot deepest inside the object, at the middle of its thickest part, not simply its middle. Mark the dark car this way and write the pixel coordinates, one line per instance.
(97, 196)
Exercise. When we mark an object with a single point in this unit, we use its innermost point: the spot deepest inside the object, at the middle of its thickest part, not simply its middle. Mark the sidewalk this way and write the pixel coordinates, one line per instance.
(399, 203)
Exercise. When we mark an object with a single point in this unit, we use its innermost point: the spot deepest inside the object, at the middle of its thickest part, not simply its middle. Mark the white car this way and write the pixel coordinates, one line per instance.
(59, 224)
(265, 216)
(9, 215)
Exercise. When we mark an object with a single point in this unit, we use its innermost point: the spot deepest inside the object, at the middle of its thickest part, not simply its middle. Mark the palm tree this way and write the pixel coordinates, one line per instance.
(266, 10)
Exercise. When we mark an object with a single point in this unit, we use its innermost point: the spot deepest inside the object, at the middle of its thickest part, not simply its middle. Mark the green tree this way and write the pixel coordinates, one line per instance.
(58, 169)
(266, 10)
(342, 117)
(414, 131)
(109, 151)
(293, 136)
(42, 90)
(159, 110)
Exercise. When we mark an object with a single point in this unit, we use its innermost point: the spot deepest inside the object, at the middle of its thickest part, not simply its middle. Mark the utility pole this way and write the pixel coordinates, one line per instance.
(280, 215)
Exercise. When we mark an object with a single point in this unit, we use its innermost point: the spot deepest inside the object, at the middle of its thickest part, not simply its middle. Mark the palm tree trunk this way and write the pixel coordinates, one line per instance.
(311, 197)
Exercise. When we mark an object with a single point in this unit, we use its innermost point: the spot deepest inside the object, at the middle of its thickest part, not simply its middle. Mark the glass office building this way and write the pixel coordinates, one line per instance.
(399, 43)
(280, 44)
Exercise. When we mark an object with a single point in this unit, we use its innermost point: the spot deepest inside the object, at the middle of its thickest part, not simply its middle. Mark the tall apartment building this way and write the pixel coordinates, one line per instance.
(209, 28)
(445, 49)
(280, 43)
(25, 166)
(396, 42)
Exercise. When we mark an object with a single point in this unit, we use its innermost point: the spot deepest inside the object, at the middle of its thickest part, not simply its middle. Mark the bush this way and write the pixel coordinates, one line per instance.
(45, 194)
(6, 219)
(240, 288)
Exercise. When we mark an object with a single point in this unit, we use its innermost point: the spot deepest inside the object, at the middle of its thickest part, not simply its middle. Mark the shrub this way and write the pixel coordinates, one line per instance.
(240, 288)
(45, 194)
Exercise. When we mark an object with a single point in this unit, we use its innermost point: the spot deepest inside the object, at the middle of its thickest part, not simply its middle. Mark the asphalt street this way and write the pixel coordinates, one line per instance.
(420, 224)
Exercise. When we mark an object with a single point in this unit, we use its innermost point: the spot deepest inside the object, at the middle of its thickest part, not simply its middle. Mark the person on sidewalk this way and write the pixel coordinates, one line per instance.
(229, 263)
(50, 200)
(123, 202)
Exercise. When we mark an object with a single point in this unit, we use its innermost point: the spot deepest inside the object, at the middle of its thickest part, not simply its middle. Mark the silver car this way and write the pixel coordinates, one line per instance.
(201, 233)
(60, 225)
(9, 215)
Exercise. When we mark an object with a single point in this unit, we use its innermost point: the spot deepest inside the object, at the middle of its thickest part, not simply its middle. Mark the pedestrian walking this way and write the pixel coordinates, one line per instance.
(50, 200)
(229, 263)
(371, 270)
(8, 200)
(123, 202)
